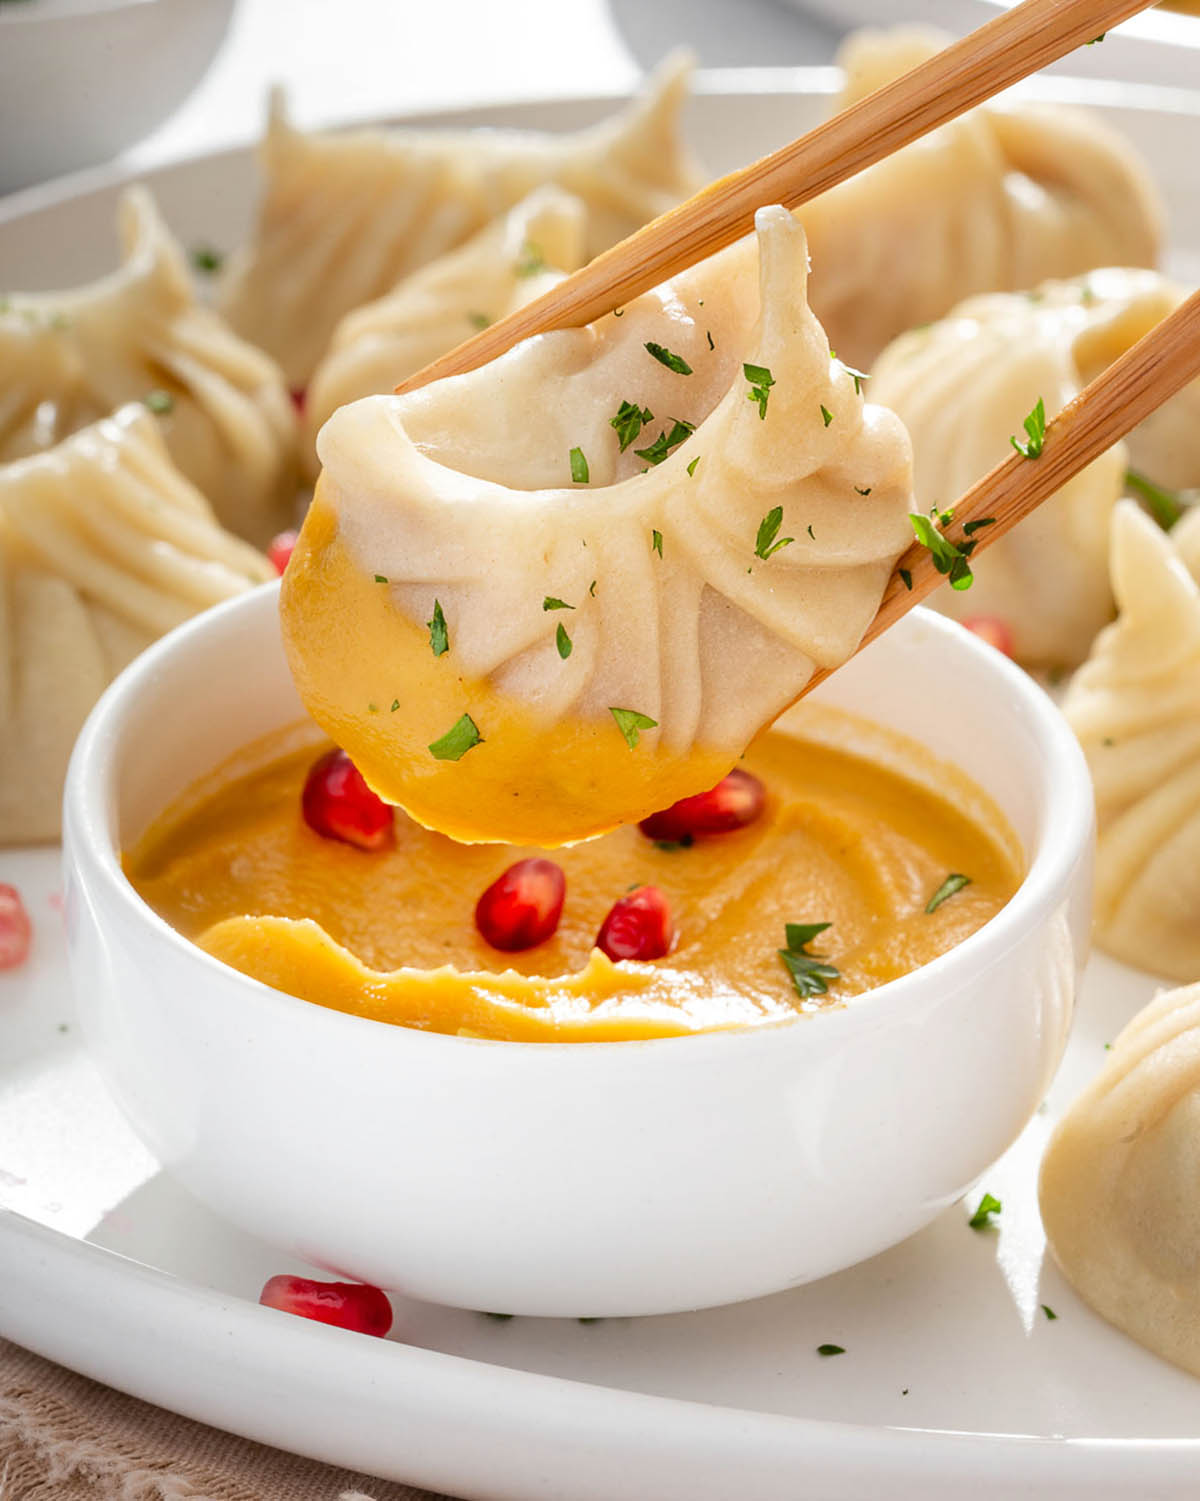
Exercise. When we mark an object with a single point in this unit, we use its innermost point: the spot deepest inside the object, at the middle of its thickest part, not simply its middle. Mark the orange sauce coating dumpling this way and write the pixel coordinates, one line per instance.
(563, 591)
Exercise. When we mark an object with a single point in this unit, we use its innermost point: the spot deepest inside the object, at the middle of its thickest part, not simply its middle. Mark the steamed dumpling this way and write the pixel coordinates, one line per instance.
(1120, 1179)
(68, 358)
(104, 546)
(1004, 197)
(344, 217)
(965, 386)
(513, 260)
(1135, 706)
(521, 631)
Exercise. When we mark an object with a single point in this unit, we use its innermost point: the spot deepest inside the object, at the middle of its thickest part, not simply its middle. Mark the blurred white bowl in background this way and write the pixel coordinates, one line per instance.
(82, 79)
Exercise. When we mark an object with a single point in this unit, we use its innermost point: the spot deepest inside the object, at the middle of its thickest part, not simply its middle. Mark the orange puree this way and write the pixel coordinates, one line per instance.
(368, 677)
(860, 829)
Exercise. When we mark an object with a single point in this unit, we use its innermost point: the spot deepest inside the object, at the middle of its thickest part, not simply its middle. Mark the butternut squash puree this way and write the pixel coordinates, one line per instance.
(353, 655)
(859, 843)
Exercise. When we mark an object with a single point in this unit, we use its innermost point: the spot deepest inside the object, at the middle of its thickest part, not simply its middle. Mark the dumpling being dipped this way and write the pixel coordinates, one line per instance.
(70, 358)
(104, 546)
(564, 590)
(505, 265)
(964, 388)
(346, 216)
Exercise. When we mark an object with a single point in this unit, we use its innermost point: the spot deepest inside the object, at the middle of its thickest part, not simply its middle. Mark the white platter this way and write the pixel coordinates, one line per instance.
(954, 1381)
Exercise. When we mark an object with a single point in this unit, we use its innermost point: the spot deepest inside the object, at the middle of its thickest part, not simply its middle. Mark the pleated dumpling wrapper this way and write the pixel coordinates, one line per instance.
(1119, 1180)
(964, 388)
(504, 266)
(1002, 198)
(344, 217)
(69, 358)
(562, 591)
(104, 546)
(1135, 706)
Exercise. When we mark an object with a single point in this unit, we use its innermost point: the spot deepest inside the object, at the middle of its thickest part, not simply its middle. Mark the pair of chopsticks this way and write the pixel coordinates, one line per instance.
(1015, 44)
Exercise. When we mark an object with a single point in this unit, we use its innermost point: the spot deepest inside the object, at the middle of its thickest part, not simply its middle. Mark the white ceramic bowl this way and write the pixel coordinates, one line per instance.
(576, 1179)
(82, 79)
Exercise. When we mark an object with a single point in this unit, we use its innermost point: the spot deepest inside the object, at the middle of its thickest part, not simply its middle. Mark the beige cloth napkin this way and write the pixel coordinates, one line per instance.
(64, 1438)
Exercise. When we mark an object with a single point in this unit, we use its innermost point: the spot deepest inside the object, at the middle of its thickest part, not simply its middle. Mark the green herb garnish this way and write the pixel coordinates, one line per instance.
(768, 529)
(500, 1318)
(808, 971)
(439, 638)
(531, 260)
(457, 741)
(631, 724)
(692, 466)
(831, 1349)
(970, 527)
(381, 578)
(761, 380)
(629, 421)
(1166, 506)
(982, 1218)
(563, 642)
(826, 416)
(952, 884)
(1035, 429)
(670, 846)
(550, 603)
(859, 491)
(479, 320)
(395, 705)
(656, 542)
(1048, 1311)
(665, 442)
(947, 558)
(905, 578)
(207, 258)
(591, 591)
(158, 402)
(671, 361)
(579, 467)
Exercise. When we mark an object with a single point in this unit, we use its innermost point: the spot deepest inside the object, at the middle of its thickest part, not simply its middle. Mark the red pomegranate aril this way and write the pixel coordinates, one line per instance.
(522, 907)
(993, 630)
(338, 804)
(347, 1305)
(736, 800)
(16, 931)
(638, 926)
(280, 549)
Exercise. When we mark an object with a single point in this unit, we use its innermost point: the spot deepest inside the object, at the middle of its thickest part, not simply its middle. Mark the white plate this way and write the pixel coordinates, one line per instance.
(953, 1378)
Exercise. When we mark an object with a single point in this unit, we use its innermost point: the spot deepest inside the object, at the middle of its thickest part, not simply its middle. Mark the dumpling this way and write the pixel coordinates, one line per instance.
(1005, 197)
(965, 386)
(565, 589)
(1135, 706)
(68, 358)
(513, 260)
(1119, 1180)
(104, 546)
(344, 217)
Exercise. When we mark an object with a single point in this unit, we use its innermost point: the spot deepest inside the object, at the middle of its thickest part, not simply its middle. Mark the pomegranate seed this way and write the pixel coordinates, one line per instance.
(280, 549)
(348, 1305)
(736, 800)
(16, 932)
(299, 395)
(638, 926)
(993, 630)
(338, 804)
(522, 908)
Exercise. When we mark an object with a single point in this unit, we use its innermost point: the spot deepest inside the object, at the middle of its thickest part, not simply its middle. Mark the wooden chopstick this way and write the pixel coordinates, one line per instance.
(1161, 363)
(1018, 42)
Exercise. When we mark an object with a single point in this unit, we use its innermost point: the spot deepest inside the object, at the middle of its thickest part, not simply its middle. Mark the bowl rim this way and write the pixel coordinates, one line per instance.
(90, 844)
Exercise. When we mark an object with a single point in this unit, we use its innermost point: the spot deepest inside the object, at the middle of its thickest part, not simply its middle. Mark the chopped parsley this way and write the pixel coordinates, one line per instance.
(859, 491)
(395, 705)
(858, 376)
(708, 336)
(808, 971)
(1048, 1311)
(949, 887)
(439, 638)
(1097, 39)
(831, 1349)
(665, 442)
(207, 258)
(810, 532)
(970, 527)
(579, 467)
(669, 846)
(550, 603)
(947, 558)
(671, 361)
(692, 465)
(563, 642)
(457, 741)
(631, 724)
(1166, 506)
(591, 591)
(530, 261)
(768, 529)
(381, 578)
(372, 708)
(629, 421)
(982, 1218)
(761, 380)
(905, 578)
(158, 402)
(656, 542)
(1035, 429)
(826, 415)
(479, 320)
